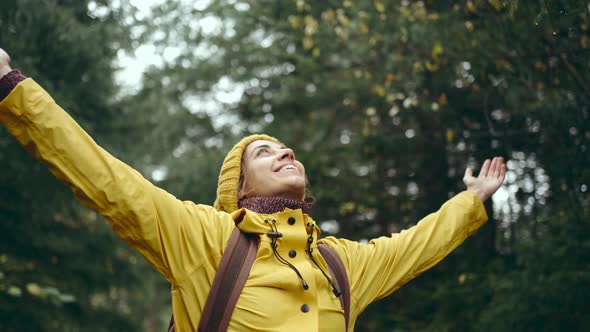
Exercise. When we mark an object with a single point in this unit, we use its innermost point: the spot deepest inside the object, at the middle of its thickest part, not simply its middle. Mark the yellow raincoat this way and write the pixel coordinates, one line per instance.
(184, 241)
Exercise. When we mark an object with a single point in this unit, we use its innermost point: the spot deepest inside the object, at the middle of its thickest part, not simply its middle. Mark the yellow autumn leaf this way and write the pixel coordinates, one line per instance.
(416, 67)
(462, 278)
(315, 52)
(497, 4)
(363, 29)
(366, 131)
(311, 25)
(379, 6)
(34, 289)
(540, 65)
(294, 21)
(378, 89)
(307, 42)
(584, 41)
(431, 66)
(437, 50)
(342, 18)
(329, 16)
(347, 208)
(300, 5)
(450, 135)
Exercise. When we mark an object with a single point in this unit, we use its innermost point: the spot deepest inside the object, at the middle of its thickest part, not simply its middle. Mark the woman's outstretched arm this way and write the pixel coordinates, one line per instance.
(384, 264)
(174, 236)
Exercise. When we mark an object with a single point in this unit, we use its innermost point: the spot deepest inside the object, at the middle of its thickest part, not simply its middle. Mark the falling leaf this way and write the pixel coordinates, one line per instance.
(462, 279)
(14, 291)
(307, 42)
(379, 90)
(342, 18)
(34, 289)
(393, 110)
(311, 25)
(431, 66)
(437, 50)
(497, 4)
(416, 66)
(363, 29)
(294, 21)
(300, 5)
(450, 135)
(379, 6)
(329, 16)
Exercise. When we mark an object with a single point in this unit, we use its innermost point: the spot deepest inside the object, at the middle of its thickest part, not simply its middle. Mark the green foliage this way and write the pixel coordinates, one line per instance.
(61, 268)
(385, 103)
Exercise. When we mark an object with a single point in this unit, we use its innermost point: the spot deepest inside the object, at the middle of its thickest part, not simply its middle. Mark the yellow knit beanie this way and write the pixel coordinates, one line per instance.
(229, 175)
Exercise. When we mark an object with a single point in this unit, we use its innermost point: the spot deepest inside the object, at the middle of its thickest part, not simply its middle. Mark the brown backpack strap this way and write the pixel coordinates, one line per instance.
(230, 278)
(339, 276)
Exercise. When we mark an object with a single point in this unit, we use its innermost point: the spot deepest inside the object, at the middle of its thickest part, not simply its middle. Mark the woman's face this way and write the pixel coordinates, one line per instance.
(270, 169)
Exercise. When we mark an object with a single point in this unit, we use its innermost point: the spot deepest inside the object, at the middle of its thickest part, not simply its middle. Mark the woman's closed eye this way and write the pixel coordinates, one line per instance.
(262, 150)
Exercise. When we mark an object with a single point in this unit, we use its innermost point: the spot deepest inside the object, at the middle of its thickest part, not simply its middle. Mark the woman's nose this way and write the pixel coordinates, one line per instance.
(287, 154)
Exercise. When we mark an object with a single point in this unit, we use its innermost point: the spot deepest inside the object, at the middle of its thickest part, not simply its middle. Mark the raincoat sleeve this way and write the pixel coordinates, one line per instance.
(378, 268)
(176, 237)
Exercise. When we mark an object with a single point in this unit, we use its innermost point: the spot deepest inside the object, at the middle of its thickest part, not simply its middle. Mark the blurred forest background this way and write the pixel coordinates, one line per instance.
(385, 102)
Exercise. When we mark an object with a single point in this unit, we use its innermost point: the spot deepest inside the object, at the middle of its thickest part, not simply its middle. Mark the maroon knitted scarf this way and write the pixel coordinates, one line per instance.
(9, 81)
(270, 205)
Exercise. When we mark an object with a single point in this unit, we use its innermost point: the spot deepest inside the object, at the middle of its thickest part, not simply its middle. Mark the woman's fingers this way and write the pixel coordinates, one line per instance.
(498, 169)
(503, 171)
(493, 168)
(468, 173)
(485, 168)
(4, 57)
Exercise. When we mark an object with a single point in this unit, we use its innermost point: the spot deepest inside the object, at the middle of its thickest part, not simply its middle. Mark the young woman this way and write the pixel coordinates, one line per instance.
(261, 190)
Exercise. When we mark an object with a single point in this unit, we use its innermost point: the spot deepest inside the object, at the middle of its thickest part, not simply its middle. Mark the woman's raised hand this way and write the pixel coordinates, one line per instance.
(488, 181)
(4, 63)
